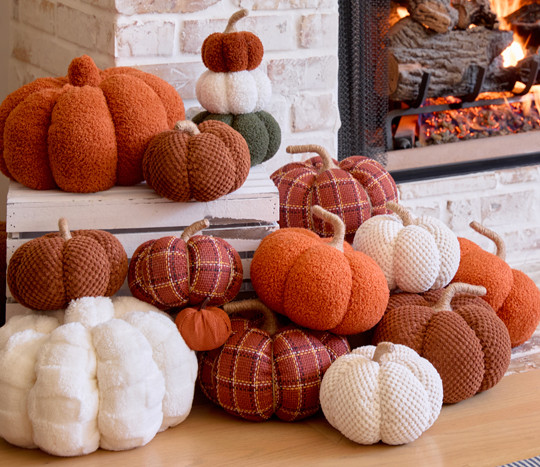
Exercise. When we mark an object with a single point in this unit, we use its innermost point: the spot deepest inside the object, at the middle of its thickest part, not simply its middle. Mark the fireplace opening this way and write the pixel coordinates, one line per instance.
(439, 87)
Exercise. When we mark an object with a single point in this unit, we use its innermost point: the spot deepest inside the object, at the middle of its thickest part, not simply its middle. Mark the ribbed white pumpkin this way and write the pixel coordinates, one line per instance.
(236, 93)
(388, 393)
(415, 254)
(112, 375)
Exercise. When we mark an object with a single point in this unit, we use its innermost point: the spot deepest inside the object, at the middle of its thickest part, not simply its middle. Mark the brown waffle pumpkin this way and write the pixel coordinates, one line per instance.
(462, 337)
(47, 272)
(202, 162)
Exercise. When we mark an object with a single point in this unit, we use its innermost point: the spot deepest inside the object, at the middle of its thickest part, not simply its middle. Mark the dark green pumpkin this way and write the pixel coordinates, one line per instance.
(260, 130)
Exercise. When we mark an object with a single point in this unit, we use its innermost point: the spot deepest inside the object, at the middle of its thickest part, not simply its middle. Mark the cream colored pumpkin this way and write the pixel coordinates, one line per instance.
(112, 375)
(386, 393)
(236, 93)
(415, 254)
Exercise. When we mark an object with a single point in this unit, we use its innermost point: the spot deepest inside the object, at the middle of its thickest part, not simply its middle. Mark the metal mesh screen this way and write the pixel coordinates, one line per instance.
(363, 78)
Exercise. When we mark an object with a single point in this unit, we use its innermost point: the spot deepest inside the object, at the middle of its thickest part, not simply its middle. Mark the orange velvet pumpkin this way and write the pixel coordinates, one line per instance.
(512, 294)
(203, 162)
(317, 283)
(86, 132)
(462, 337)
(230, 51)
(46, 273)
(203, 328)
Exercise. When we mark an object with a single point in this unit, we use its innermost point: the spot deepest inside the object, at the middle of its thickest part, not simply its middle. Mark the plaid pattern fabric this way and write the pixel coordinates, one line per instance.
(169, 273)
(253, 376)
(355, 191)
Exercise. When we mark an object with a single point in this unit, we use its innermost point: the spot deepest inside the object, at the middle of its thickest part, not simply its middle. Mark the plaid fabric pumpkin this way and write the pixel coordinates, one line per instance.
(355, 189)
(175, 272)
(255, 375)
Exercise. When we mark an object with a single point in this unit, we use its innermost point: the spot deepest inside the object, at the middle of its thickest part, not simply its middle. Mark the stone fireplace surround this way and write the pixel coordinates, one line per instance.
(301, 41)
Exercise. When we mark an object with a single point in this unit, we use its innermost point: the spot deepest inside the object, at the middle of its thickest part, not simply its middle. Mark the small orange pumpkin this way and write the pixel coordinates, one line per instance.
(319, 284)
(46, 273)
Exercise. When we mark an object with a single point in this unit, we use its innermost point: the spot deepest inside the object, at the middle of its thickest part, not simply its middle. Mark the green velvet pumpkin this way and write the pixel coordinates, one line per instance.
(260, 130)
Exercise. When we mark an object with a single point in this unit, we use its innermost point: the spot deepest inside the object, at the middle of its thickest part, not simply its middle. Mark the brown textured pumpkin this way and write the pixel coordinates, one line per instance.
(173, 272)
(227, 51)
(47, 272)
(86, 132)
(462, 337)
(264, 370)
(202, 162)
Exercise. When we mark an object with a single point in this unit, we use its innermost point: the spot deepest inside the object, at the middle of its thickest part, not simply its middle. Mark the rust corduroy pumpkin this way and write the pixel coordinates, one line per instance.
(263, 370)
(462, 337)
(355, 189)
(173, 272)
(202, 162)
(232, 50)
(47, 272)
(85, 132)
(512, 294)
(317, 283)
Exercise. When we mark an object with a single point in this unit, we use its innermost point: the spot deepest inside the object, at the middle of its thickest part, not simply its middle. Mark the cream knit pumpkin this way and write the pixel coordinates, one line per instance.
(415, 254)
(388, 394)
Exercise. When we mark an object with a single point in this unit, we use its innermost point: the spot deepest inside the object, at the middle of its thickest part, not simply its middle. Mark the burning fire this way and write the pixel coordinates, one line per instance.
(514, 52)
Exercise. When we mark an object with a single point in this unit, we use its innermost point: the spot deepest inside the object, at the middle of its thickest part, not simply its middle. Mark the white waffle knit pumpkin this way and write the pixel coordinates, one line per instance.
(112, 375)
(415, 254)
(388, 393)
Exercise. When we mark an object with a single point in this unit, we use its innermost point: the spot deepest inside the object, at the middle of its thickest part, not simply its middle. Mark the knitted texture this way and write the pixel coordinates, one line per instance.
(356, 190)
(73, 133)
(393, 400)
(254, 375)
(469, 346)
(296, 273)
(260, 130)
(169, 272)
(204, 165)
(235, 51)
(415, 254)
(47, 272)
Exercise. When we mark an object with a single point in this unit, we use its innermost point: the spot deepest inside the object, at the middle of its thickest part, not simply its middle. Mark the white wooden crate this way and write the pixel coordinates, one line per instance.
(137, 214)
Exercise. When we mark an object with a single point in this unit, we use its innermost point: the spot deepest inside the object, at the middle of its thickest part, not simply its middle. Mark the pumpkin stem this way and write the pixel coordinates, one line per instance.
(493, 236)
(270, 324)
(187, 126)
(457, 288)
(64, 229)
(83, 71)
(204, 303)
(381, 349)
(337, 224)
(194, 228)
(328, 163)
(235, 17)
(404, 214)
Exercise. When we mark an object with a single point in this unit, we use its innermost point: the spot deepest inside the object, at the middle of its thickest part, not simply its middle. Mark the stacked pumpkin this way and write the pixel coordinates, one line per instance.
(235, 90)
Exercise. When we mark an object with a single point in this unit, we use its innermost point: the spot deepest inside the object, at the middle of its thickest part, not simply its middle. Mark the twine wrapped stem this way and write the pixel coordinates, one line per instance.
(337, 224)
(235, 17)
(457, 288)
(328, 163)
(270, 324)
(493, 236)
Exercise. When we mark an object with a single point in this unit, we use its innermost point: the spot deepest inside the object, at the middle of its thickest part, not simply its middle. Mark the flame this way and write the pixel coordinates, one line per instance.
(512, 54)
(402, 12)
(503, 8)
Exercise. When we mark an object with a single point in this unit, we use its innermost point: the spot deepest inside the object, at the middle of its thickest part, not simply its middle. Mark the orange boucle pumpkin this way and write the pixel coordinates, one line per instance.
(462, 337)
(86, 132)
(512, 294)
(202, 162)
(227, 51)
(48, 272)
(319, 284)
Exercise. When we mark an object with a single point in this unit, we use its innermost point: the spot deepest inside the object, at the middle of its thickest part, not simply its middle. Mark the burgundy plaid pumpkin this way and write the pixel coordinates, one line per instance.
(259, 372)
(175, 272)
(355, 189)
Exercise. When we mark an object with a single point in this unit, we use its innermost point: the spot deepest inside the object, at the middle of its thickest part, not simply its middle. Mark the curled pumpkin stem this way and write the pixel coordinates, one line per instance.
(382, 349)
(194, 228)
(457, 288)
(404, 214)
(328, 163)
(337, 224)
(64, 229)
(235, 17)
(493, 236)
(187, 126)
(270, 324)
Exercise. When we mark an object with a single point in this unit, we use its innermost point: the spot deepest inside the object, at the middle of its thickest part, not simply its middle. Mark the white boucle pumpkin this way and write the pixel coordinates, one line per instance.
(239, 92)
(387, 394)
(111, 375)
(415, 254)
